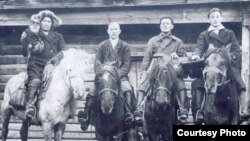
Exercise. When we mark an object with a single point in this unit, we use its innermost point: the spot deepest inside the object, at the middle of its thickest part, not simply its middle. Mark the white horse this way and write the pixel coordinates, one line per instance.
(57, 102)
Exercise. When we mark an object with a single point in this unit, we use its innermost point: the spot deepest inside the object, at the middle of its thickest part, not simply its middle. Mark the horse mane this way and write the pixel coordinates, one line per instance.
(112, 70)
(225, 54)
(76, 58)
(162, 71)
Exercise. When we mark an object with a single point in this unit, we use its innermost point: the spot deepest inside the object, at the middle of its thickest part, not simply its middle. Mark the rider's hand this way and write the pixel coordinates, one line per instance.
(55, 61)
(195, 57)
(174, 55)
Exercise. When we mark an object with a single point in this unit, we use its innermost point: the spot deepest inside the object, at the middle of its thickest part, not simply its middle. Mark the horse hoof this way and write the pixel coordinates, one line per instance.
(129, 120)
(139, 122)
(82, 117)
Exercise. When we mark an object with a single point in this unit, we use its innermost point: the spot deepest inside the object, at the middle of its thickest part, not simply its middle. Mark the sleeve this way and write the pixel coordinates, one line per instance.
(61, 43)
(201, 45)
(98, 59)
(25, 44)
(235, 51)
(125, 68)
(148, 56)
(181, 51)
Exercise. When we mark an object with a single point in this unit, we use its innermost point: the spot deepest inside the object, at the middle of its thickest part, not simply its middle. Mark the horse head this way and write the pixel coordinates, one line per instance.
(216, 70)
(108, 86)
(162, 82)
(73, 66)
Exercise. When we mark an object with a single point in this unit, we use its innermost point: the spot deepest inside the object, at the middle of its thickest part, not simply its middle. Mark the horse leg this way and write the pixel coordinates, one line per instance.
(6, 119)
(119, 138)
(47, 131)
(152, 136)
(24, 130)
(235, 109)
(58, 131)
(101, 137)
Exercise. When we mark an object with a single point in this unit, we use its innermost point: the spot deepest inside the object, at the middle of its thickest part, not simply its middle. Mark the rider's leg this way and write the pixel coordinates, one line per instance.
(198, 98)
(128, 97)
(182, 100)
(83, 116)
(138, 114)
(33, 86)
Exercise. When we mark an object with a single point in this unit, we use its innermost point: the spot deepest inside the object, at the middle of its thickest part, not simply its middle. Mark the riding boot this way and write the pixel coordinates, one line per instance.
(244, 113)
(199, 117)
(138, 114)
(182, 113)
(128, 107)
(83, 116)
(32, 92)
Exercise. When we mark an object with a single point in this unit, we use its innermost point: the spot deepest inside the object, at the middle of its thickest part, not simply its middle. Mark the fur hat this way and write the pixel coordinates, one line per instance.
(56, 21)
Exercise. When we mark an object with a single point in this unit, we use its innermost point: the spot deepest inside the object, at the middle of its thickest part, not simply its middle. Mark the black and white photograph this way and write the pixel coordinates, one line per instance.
(124, 70)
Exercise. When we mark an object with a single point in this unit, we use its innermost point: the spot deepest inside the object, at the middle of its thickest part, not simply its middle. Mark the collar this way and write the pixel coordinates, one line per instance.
(211, 28)
(114, 42)
(163, 36)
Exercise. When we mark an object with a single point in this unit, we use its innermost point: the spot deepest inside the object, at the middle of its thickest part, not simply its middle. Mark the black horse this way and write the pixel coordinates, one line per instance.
(160, 109)
(221, 100)
(109, 111)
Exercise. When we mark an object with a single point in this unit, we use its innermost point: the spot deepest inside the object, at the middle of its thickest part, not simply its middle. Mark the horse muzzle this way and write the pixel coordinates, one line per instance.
(107, 109)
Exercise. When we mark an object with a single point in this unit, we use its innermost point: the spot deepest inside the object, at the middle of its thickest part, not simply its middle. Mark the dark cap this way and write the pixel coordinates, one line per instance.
(214, 10)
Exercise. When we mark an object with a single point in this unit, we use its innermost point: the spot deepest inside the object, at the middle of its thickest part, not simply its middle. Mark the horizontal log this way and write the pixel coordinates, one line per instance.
(69, 128)
(6, 50)
(12, 59)
(12, 69)
(66, 135)
(88, 85)
(99, 3)
(128, 15)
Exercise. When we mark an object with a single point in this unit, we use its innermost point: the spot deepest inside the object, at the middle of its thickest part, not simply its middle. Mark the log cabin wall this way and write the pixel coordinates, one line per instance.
(85, 26)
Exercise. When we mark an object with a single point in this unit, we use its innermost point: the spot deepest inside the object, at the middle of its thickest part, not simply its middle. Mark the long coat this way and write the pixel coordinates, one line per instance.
(224, 38)
(120, 54)
(53, 43)
(220, 40)
(161, 44)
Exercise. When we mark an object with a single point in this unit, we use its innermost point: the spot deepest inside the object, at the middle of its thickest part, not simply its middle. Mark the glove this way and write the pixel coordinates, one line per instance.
(195, 57)
(38, 48)
(56, 59)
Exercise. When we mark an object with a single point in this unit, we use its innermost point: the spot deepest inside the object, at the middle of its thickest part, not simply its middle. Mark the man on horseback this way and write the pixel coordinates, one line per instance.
(164, 43)
(42, 45)
(217, 36)
(116, 51)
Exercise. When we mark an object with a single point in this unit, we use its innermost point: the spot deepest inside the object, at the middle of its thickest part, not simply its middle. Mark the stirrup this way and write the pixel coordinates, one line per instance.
(30, 111)
(81, 119)
(182, 115)
(128, 118)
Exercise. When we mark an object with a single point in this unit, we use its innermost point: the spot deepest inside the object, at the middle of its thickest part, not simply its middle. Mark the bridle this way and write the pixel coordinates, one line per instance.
(216, 70)
(162, 88)
(108, 89)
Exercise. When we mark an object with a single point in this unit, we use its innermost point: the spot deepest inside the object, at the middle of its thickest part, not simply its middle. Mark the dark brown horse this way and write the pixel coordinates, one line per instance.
(108, 110)
(221, 100)
(160, 111)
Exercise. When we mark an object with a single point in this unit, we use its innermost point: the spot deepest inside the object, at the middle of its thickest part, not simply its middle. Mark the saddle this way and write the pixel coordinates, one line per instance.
(19, 96)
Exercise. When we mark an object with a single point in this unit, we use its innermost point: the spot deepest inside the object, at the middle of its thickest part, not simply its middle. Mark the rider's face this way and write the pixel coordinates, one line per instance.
(215, 19)
(46, 23)
(114, 31)
(166, 25)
